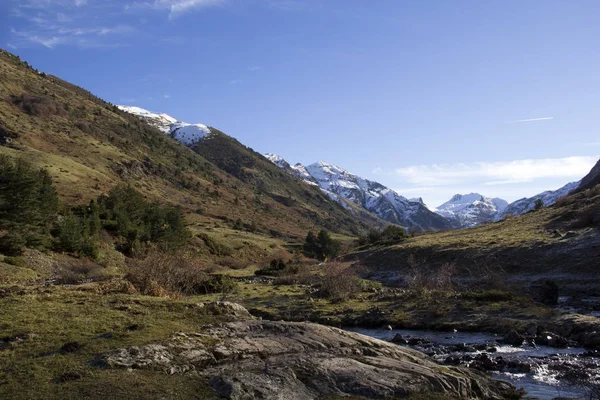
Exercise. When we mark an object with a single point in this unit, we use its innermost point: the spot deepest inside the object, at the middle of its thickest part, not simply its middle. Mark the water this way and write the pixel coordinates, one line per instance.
(543, 381)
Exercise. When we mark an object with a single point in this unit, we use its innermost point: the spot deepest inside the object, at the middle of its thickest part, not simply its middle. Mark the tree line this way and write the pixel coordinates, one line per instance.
(31, 215)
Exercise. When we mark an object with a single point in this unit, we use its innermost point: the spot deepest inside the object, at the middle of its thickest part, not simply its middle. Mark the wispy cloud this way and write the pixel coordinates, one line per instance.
(89, 23)
(254, 68)
(496, 173)
(174, 7)
(51, 23)
(530, 120)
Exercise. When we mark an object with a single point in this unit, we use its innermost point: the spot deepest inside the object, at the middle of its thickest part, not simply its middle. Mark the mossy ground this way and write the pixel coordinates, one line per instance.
(38, 321)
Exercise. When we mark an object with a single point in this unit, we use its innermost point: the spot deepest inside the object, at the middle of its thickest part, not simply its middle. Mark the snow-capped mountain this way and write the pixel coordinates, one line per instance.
(468, 210)
(298, 170)
(343, 186)
(183, 132)
(527, 204)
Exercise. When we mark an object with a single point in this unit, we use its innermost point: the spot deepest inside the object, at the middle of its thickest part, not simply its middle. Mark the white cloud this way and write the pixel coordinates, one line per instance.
(81, 23)
(496, 173)
(175, 7)
(531, 120)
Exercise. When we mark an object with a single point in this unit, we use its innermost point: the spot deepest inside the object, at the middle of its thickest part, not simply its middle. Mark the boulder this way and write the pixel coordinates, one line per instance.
(279, 360)
(399, 339)
(513, 338)
(544, 291)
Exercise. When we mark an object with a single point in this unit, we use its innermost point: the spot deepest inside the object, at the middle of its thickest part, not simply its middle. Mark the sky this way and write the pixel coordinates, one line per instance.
(430, 98)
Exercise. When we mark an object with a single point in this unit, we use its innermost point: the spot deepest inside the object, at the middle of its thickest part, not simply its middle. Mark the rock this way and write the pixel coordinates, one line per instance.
(544, 291)
(284, 360)
(226, 307)
(552, 340)
(70, 347)
(399, 339)
(513, 338)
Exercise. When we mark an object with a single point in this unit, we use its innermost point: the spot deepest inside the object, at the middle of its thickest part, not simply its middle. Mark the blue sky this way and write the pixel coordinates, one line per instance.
(430, 98)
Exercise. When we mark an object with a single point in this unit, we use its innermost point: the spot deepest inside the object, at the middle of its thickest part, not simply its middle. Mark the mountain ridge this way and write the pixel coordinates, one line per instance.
(372, 196)
(469, 210)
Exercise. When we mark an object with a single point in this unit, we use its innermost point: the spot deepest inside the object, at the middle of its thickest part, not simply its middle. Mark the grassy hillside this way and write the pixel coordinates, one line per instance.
(89, 146)
(557, 240)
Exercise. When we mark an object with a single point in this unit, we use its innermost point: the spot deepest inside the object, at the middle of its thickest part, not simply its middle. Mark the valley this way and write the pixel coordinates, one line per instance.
(146, 257)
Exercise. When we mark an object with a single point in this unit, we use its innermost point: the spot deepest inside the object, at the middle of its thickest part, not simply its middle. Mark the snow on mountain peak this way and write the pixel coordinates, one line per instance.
(468, 210)
(548, 197)
(344, 186)
(183, 132)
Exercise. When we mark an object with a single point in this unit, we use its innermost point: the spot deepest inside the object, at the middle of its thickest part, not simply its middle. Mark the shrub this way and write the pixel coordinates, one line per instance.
(392, 234)
(539, 203)
(321, 247)
(426, 277)
(588, 217)
(75, 271)
(164, 274)
(38, 106)
(338, 283)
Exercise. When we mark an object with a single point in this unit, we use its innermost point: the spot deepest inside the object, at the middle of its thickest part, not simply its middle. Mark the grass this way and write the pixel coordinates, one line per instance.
(50, 317)
(91, 146)
(531, 243)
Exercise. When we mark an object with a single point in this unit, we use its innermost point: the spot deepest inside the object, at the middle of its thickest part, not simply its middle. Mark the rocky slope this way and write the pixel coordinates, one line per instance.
(374, 197)
(591, 179)
(549, 197)
(469, 210)
(281, 360)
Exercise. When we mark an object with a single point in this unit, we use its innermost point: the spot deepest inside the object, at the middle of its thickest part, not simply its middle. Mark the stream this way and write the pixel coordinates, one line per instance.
(543, 371)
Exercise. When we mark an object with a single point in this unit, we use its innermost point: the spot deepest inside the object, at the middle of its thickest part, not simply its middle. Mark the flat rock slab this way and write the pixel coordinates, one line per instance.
(286, 360)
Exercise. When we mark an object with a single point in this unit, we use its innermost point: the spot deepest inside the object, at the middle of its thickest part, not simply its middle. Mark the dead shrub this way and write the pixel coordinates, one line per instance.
(338, 283)
(422, 276)
(38, 106)
(116, 286)
(167, 275)
(295, 274)
(74, 271)
(587, 218)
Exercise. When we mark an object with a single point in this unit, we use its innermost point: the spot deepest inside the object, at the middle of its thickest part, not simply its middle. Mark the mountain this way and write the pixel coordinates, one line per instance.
(591, 179)
(374, 197)
(183, 132)
(469, 210)
(250, 167)
(89, 146)
(549, 197)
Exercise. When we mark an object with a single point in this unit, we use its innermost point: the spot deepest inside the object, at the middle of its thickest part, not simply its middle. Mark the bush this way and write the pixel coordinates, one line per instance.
(164, 274)
(338, 283)
(392, 234)
(38, 106)
(587, 218)
(424, 277)
(321, 247)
